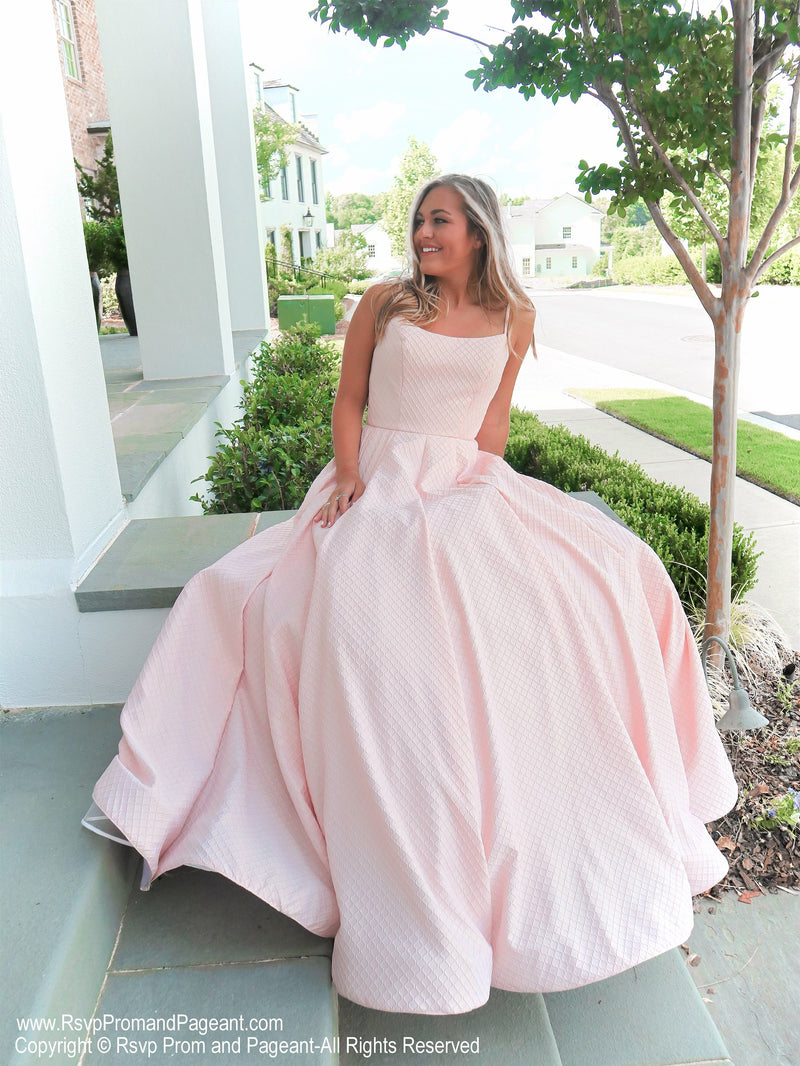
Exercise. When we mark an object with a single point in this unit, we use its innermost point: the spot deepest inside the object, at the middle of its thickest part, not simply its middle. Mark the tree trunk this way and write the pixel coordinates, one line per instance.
(727, 343)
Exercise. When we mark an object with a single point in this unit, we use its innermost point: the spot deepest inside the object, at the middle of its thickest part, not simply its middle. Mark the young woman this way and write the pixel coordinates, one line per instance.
(446, 714)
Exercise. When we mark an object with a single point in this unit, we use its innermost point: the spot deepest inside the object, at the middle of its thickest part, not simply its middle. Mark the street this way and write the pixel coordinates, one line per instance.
(664, 334)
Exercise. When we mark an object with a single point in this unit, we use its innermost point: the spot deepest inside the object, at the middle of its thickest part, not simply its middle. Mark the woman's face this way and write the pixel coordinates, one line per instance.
(443, 242)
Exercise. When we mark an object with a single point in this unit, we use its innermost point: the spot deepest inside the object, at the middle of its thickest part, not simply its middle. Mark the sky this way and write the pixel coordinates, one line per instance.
(369, 101)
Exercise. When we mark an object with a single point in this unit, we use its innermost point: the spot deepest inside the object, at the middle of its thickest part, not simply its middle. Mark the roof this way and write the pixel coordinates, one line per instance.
(531, 208)
(304, 136)
(362, 227)
(276, 83)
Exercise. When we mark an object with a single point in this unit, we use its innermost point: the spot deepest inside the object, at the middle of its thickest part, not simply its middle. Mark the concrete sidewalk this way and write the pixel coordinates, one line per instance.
(543, 388)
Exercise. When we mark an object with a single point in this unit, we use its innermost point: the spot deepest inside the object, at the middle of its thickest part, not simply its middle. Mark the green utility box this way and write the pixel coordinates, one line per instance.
(319, 309)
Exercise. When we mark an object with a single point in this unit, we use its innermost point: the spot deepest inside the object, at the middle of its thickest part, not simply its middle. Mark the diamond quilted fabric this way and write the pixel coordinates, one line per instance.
(464, 730)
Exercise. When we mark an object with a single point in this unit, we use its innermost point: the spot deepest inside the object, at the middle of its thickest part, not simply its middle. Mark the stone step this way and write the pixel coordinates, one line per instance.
(227, 977)
(510, 1030)
(152, 559)
(63, 889)
(651, 1015)
(196, 944)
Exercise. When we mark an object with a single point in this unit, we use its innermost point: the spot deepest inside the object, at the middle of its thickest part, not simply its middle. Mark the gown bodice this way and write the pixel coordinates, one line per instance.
(423, 382)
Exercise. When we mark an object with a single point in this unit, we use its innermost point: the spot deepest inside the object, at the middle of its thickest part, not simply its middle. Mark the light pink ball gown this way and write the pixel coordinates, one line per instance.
(464, 730)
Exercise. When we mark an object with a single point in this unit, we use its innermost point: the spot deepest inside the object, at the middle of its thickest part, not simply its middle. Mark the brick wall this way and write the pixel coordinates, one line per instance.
(86, 95)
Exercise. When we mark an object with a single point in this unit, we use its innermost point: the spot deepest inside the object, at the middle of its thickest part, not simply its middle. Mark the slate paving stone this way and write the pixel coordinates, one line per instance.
(290, 1000)
(193, 917)
(63, 889)
(509, 1030)
(651, 1014)
(748, 973)
(143, 444)
(159, 385)
(156, 418)
(197, 394)
(152, 559)
(136, 469)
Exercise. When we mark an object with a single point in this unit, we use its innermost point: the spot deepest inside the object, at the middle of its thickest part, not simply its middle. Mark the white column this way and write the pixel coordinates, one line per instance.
(60, 497)
(236, 166)
(154, 55)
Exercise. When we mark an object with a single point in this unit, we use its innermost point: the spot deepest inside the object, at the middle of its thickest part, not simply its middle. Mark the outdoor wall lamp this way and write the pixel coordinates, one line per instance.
(308, 218)
(740, 713)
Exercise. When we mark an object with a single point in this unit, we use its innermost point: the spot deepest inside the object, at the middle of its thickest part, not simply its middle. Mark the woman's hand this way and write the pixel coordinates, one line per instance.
(343, 496)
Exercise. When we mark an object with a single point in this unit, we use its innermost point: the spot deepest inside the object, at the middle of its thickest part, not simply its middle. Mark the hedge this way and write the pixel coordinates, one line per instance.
(648, 270)
(671, 520)
(268, 458)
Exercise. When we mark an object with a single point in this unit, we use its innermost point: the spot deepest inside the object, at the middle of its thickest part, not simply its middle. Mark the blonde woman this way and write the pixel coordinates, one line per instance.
(446, 714)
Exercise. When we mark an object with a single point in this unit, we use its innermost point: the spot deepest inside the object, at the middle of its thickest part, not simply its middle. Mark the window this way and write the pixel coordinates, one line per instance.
(66, 33)
(566, 233)
(370, 251)
(299, 163)
(266, 188)
(548, 263)
(574, 262)
(284, 184)
(526, 265)
(314, 186)
(319, 239)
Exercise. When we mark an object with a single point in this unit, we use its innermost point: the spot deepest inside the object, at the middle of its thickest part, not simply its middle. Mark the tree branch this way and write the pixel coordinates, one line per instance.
(655, 144)
(721, 177)
(463, 36)
(704, 294)
(741, 190)
(790, 184)
(784, 248)
(672, 169)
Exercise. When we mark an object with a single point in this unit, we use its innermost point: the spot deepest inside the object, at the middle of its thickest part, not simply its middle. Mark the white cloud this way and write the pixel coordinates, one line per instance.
(337, 156)
(369, 123)
(360, 179)
(460, 142)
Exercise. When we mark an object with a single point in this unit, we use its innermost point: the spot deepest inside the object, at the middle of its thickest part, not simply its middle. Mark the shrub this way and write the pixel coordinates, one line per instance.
(671, 520)
(358, 287)
(648, 270)
(600, 266)
(784, 271)
(282, 286)
(713, 265)
(268, 458)
(347, 258)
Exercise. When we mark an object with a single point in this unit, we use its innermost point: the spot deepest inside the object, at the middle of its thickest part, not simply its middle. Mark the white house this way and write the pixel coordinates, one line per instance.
(296, 198)
(379, 247)
(555, 238)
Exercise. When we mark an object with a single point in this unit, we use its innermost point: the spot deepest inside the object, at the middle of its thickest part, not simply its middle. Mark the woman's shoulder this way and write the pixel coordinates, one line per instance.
(521, 329)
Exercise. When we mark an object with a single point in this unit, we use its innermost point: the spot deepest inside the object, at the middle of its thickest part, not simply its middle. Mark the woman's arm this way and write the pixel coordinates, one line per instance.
(348, 407)
(493, 434)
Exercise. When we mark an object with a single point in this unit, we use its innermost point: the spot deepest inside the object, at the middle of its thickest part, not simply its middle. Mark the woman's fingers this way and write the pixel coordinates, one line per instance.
(341, 500)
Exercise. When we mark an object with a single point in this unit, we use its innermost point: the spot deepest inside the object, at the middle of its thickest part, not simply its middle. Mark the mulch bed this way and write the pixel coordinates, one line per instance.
(763, 859)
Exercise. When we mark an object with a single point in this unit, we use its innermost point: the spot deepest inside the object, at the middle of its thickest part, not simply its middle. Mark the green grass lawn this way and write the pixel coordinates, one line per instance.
(763, 456)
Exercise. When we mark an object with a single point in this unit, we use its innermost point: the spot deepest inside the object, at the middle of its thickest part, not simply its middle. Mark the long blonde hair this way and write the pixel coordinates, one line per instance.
(494, 284)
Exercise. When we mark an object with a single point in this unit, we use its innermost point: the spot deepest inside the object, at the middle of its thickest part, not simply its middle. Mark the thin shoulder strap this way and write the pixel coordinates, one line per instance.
(508, 316)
